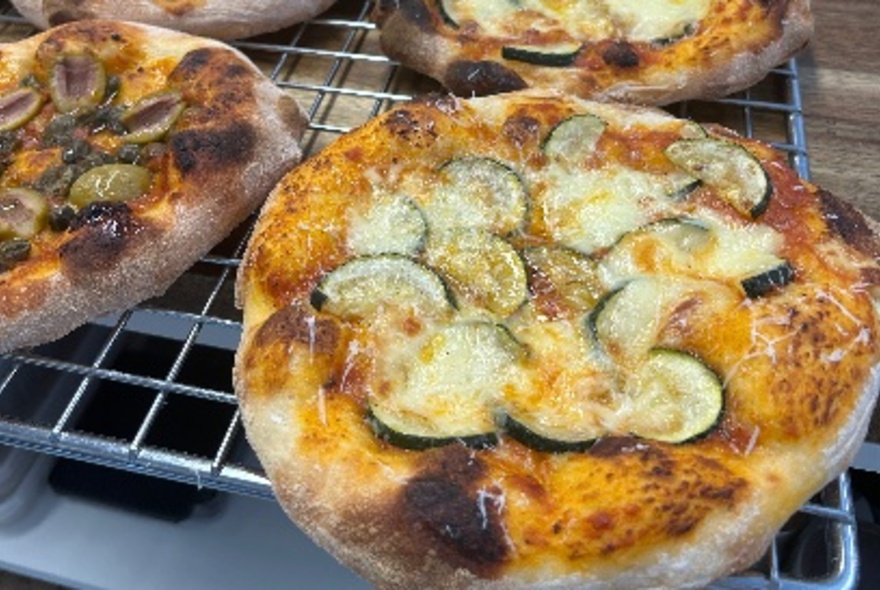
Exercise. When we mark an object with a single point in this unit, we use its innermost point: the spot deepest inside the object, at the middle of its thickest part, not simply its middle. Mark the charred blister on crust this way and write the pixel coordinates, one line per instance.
(102, 232)
(295, 324)
(448, 503)
(620, 54)
(848, 223)
(205, 150)
(480, 78)
(415, 11)
(415, 127)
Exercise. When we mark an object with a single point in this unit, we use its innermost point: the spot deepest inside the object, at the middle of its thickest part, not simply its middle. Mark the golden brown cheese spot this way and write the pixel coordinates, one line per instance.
(179, 7)
(621, 497)
(415, 127)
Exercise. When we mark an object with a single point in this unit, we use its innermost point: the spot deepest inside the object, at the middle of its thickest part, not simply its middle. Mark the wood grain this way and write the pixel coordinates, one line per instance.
(840, 87)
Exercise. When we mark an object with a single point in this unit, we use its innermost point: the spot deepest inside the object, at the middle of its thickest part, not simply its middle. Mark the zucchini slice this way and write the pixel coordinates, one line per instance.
(478, 193)
(560, 55)
(668, 245)
(777, 275)
(362, 286)
(579, 400)
(390, 225)
(626, 322)
(728, 167)
(482, 268)
(562, 281)
(673, 397)
(554, 443)
(574, 139)
(448, 388)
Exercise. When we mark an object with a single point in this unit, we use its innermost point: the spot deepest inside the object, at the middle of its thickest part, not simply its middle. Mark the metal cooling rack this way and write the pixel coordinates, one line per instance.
(149, 390)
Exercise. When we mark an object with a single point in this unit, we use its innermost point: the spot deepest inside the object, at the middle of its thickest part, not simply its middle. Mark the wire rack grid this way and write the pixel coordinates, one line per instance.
(149, 390)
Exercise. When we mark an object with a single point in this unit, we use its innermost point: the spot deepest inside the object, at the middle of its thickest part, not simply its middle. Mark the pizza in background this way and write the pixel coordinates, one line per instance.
(126, 153)
(529, 340)
(221, 19)
(641, 51)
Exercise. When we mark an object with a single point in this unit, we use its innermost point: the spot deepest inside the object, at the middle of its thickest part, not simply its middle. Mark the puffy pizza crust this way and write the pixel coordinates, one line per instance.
(413, 32)
(222, 19)
(509, 517)
(241, 135)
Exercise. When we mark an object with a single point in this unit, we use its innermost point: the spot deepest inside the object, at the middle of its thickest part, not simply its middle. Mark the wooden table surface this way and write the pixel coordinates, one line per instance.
(840, 87)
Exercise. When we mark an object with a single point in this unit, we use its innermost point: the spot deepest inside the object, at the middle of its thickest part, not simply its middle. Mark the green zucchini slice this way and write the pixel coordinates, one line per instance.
(775, 276)
(554, 443)
(575, 409)
(560, 55)
(728, 167)
(562, 281)
(362, 286)
(478, 193)
(450, 387)
(668, 245)
(18, 107)
(626, 322)
(482, 269)
(673, 397)
(390, 225)
(574, 139)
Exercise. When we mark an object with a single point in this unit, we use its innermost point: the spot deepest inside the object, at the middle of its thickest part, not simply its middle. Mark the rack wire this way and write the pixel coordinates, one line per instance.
(149, 391)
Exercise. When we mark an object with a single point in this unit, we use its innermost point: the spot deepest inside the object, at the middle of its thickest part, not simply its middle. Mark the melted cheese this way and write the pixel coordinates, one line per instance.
(635, 20)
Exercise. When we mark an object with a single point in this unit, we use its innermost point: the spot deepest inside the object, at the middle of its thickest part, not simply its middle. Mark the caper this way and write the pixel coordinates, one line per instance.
(129, 153)
(77, 83)
(75, 151)
(60, 217)
(110, 182)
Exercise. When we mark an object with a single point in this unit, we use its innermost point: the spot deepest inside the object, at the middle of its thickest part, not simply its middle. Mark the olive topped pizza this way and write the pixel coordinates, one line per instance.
(126, 152)
(220, 19)
(642, 51)
(533, 341)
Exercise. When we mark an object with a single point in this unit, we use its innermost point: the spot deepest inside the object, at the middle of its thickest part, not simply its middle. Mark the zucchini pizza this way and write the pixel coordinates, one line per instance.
(126, 153)
(530, 340)
(642, 51)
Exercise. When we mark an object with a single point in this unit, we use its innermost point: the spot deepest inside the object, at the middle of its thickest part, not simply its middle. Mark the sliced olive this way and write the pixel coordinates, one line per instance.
(77, 83)
(727, 167)
(18, 107)
(483, 269)
(12, 252)
(23, 213)
(109, 182)
(575, 138)
(150, 118)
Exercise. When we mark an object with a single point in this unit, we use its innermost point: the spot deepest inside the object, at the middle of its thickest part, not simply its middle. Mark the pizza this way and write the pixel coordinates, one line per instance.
(530, 340)
(642, 51)
(126, 153)
(221, 19)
